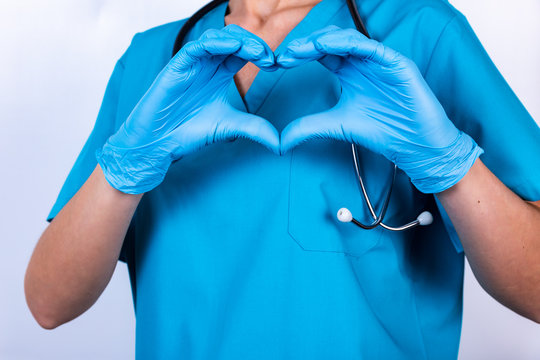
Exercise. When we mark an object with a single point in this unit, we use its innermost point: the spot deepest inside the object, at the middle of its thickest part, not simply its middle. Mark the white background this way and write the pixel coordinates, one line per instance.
(55, 60)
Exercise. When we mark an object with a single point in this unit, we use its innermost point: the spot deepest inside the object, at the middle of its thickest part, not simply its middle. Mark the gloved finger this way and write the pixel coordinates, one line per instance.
(316, 126)
(192, 52)
(350, 42)
(298, 52)
(302, 50)
(254, 49)
(248, 126)
(305, 53)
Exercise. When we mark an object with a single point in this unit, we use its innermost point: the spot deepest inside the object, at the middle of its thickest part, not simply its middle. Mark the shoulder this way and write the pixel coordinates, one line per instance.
(432, 11)
(158, 40)
(416, 17)
(414, 27)
(437, 17)
(162, 31)
(148, 53)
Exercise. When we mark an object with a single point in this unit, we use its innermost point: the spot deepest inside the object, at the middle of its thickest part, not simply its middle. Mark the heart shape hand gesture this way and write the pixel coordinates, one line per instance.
(385, 106)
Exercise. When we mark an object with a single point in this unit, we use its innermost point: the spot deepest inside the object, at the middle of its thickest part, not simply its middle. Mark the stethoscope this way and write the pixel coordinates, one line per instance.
(343, 214)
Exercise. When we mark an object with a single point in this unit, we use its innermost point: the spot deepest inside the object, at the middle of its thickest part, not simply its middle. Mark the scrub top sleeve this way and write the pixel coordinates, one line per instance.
(480, 103)
(104, 127)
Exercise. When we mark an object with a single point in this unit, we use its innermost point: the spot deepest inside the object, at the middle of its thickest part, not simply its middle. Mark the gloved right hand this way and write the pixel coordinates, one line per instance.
(186, 109)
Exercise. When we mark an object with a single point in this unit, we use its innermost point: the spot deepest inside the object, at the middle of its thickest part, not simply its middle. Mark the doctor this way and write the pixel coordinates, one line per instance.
(234, 251)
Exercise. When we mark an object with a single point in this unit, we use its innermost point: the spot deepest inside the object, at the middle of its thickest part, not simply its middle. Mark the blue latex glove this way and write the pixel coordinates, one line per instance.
(185, 109)
(385, 106)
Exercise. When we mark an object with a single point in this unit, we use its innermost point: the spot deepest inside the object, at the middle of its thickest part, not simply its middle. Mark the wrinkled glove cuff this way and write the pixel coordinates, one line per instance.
(133, 171)
(446, 167)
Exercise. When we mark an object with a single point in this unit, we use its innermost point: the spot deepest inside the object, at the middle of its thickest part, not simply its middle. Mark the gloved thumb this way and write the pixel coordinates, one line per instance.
(317, 126)
(244, 125)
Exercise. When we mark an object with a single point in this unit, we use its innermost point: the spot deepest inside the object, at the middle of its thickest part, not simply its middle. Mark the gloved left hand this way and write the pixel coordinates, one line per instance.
(385, 106)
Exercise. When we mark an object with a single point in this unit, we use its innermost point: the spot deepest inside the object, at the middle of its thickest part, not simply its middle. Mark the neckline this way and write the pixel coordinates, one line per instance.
(264, 81)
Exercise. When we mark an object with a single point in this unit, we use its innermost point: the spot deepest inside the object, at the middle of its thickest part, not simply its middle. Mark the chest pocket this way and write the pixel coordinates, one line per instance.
(322, 181)
(322, 178)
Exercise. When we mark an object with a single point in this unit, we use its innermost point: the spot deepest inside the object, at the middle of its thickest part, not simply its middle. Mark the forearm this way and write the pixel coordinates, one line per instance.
(77, 254)
(500, 234)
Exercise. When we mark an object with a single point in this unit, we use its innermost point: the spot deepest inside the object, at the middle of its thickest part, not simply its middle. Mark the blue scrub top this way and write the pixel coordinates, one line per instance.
(238, 254)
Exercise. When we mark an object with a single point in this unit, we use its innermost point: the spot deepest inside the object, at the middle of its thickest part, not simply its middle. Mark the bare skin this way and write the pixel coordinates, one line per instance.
(500, 234)
(76, 256)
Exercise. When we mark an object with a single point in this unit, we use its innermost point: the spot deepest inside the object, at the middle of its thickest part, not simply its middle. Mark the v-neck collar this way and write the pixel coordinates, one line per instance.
(318, 17)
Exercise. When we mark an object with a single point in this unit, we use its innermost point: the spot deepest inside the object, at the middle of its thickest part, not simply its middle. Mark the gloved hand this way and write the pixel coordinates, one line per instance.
(385, 106)
(186, 109)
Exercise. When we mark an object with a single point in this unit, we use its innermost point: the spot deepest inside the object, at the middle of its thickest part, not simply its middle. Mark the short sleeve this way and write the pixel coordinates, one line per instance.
(104, 127)
(480, 103)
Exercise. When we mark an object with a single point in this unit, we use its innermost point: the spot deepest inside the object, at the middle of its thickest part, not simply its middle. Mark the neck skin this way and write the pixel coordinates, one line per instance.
(256, 13)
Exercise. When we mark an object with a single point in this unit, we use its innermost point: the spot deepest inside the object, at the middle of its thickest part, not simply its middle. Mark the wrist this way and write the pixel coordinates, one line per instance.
(104, 190)
(442, 168)
(133, 171)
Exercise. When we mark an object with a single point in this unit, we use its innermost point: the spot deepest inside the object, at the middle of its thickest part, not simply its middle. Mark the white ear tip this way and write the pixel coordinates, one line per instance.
(344, 215)
(425, 218)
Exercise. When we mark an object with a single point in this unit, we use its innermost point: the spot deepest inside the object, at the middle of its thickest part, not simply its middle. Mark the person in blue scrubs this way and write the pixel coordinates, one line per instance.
(237, 253)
